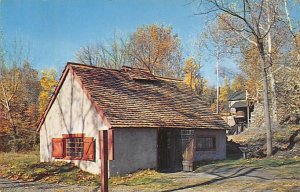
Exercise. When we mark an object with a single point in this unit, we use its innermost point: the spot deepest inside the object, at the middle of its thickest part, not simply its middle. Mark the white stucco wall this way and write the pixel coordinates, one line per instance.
(71, 113)
(219, 153)
(135, 148)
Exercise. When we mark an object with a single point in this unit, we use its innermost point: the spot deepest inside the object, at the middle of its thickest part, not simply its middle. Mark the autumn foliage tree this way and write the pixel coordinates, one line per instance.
(157, 49)
(249, 21)
(23, 98)
(19, 99)
(238, 83)
(251, 71)
(192, 76)
(288, 83)
(264, 26)
(48, 82)
(9, 82)
(19, 90)
(224, 93)
(152, 47)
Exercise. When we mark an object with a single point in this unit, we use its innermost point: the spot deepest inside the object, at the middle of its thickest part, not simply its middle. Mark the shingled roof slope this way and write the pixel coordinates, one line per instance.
(239, 95)
(151, 102)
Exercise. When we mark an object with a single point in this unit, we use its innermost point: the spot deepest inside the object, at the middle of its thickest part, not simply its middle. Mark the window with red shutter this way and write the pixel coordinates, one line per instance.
(89, 148)
(58, 148)
(74, 147)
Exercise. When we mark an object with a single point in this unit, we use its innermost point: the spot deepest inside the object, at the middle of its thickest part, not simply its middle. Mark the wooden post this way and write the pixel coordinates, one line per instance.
(188, 150)
(103, 141)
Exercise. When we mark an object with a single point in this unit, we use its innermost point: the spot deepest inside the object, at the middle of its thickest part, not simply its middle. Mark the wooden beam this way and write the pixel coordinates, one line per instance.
(103, 141)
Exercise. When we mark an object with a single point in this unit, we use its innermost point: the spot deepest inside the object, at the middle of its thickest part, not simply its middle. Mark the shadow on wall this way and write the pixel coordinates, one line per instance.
(73, 108)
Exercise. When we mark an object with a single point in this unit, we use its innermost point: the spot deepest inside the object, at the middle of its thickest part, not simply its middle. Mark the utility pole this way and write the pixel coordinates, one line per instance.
(218, 58)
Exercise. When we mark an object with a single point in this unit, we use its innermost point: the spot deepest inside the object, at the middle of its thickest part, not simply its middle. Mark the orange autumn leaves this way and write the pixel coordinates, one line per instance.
(155, 48)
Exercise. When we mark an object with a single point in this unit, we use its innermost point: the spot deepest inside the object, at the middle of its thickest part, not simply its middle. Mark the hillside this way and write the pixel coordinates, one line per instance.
(286, 140)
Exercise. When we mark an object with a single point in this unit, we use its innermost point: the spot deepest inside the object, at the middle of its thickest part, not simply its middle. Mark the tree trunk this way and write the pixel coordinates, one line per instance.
(265, 97)
(14, 133)
(14, 128)
(274, 95)
(15, 143)
(272, 80)
(34, 139)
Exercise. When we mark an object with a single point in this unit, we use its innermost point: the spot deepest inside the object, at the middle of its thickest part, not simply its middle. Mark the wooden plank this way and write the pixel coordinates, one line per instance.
(104, 159)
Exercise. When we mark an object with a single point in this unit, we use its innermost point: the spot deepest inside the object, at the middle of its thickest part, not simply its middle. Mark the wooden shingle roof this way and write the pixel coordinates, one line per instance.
(236, 96)
(239, 104)
(132, 97)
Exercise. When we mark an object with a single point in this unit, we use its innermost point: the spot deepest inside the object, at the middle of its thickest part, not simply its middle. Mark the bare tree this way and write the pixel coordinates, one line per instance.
(247, 19)
(89, 54)
(152, 47)
(113, 55)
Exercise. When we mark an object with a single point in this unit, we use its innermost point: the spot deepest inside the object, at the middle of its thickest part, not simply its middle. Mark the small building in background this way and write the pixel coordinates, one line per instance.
(240, 109)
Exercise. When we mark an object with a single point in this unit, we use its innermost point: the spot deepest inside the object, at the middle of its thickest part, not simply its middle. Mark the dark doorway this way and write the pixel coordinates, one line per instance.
(169, 150)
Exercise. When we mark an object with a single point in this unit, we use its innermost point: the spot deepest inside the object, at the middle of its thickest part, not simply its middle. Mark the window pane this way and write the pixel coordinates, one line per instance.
(74, 147)
(205, 143)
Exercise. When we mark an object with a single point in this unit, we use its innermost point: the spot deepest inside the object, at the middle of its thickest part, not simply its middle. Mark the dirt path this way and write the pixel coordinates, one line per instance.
(216, 179)
(19, 186)
(229, 179)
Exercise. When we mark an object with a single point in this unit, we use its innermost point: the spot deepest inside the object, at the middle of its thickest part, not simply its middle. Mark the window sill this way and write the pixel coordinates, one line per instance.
(73, 158)
(76, 158)
(201, 150)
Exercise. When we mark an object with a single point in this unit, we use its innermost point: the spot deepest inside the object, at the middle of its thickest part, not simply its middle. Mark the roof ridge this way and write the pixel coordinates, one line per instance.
(159, 77)
(124, 66)
(121, 70)
(91, 66)
(81, 65)
(168, 78)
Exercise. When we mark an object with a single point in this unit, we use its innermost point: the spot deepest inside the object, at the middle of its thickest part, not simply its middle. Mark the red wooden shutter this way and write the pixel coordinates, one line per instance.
(110, 144)
(88, 148)
(58, 148)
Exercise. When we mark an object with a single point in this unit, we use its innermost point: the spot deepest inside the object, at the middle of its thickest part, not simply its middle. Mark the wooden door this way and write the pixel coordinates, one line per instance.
(169, 149)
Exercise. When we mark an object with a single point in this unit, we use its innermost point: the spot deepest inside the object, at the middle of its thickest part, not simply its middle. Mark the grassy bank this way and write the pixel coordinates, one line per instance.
(254, 162)
(287, 164)
(26, 167)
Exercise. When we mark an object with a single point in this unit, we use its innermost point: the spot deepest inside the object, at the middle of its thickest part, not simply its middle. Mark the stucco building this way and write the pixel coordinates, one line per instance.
(157, 122)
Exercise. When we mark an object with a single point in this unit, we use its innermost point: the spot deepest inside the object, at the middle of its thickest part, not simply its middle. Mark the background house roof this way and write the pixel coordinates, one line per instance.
(132, 98)
(239, 95)
(239, 104)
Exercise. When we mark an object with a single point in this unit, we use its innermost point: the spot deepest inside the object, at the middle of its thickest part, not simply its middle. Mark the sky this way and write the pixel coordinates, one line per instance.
(53, 30)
